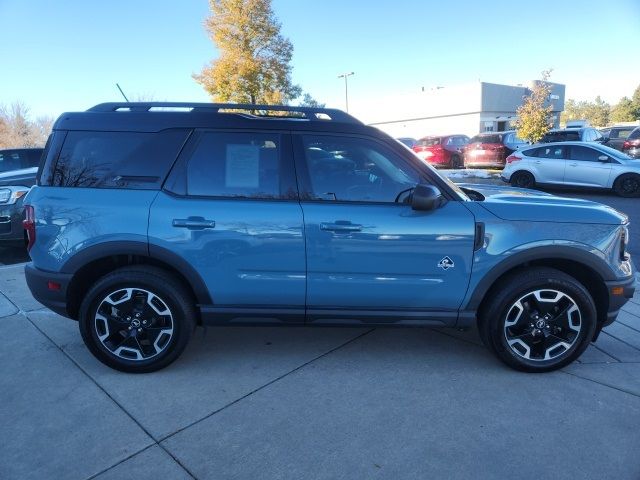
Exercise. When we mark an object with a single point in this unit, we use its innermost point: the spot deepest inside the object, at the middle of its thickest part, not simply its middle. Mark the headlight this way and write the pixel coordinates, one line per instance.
(624, 241)
(10, 195)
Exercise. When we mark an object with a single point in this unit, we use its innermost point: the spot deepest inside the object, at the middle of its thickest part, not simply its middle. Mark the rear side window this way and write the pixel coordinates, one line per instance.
(235, 165)
(133, 160)
(635, 134)
(19, 159)
(547, 152)
(561, 137)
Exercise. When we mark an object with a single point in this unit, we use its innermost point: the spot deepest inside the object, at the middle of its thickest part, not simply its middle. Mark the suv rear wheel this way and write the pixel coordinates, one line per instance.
(539, 319)
(137, 319)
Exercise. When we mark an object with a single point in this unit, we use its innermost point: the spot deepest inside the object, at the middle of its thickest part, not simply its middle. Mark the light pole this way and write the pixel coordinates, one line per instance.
(346, 88)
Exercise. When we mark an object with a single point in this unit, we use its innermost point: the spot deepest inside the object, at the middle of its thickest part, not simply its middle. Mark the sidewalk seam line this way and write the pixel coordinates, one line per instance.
(156, 442)
(595, 345)
(616, 338)
(271, 382)
(601, 384)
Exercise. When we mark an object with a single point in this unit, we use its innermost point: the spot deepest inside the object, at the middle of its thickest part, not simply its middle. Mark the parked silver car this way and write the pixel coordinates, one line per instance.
(576, 164)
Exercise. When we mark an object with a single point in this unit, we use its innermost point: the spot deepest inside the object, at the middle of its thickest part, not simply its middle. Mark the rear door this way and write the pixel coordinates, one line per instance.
(230, 210)
(584, 167)
(549, 163)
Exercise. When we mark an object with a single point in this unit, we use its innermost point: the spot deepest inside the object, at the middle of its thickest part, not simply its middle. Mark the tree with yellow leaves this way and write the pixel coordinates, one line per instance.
(534, 115)
(253, 65)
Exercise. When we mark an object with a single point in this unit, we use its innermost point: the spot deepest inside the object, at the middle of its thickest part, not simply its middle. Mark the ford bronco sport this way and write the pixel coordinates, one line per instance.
(151, 218)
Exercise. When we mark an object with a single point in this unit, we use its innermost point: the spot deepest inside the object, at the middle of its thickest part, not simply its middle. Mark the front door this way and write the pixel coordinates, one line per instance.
(585, 168)
(370, 256)
(230, 210)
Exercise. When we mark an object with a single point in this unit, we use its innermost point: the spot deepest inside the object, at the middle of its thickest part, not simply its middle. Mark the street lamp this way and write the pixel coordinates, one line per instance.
(346, 88)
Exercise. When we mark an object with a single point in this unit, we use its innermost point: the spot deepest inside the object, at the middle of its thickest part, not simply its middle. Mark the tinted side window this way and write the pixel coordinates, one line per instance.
(117, 159)
(10, 160)
(355, 169)
(236, 165)
(550, 152)
(585, 154)
(33, 158)
(635, 134)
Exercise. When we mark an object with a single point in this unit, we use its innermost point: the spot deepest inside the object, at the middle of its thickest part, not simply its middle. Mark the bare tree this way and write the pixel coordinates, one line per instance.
(18, 130)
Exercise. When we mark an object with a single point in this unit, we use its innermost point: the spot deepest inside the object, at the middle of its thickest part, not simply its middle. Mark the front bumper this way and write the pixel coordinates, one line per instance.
(40, 283)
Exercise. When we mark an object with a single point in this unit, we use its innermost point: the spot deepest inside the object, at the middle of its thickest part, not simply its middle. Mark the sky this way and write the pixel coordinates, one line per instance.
(68, 55)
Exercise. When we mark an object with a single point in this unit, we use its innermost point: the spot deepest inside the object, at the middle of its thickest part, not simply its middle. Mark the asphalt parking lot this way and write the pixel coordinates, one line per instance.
(303, 403)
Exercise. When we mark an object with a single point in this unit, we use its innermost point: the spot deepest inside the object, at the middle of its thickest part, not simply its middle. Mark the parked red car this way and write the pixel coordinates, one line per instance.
(489, 150)
(442, 151)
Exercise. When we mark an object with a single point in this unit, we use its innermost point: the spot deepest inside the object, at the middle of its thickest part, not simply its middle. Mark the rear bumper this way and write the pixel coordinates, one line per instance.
(39, 284)
(617, 301)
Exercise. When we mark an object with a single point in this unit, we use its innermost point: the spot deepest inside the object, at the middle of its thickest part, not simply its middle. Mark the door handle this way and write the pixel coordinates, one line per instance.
(193, 223)
(573, 164)
(340, 226)
(538, 162)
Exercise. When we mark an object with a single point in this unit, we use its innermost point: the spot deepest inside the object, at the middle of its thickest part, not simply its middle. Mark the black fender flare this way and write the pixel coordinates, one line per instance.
(143, 249)
(551, 252)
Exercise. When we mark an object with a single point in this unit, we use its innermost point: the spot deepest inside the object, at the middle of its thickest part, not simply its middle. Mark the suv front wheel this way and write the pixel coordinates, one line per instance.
(137, 319)
(539, 319)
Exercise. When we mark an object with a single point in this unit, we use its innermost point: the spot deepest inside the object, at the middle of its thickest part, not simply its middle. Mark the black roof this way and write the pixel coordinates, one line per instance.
(156, 116)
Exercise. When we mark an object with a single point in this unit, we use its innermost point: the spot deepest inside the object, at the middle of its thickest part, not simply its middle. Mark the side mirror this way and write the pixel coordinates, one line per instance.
(603, 158)
(426, 197)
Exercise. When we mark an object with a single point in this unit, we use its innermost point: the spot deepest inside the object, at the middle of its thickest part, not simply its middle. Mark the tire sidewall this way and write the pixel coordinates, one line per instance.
(110, 284)
(617, 186)
(588, 322)
(518, 175)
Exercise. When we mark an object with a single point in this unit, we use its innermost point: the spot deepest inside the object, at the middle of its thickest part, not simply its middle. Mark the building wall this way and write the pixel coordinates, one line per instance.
(467, 109)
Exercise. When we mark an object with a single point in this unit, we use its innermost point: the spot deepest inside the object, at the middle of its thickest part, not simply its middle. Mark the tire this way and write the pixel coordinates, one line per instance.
(523, 179)
(538, 320)
(137, 319)
(627, 185)
(456, 161)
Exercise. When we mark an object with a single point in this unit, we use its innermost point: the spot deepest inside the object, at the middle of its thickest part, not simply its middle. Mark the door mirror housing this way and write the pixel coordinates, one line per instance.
(426, 197)
(603, 158)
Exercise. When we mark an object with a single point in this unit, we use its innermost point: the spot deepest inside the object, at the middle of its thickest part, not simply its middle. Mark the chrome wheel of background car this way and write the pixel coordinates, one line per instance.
(542, 325)
(134, 324)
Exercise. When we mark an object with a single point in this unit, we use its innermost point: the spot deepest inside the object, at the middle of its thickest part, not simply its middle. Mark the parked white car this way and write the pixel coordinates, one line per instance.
(576, 164)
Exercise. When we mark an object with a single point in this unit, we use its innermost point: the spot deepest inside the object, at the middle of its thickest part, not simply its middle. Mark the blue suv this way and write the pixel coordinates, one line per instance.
(151, 218)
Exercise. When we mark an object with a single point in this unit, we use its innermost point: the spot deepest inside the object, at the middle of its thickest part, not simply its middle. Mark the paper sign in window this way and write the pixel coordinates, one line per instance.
(242, 167)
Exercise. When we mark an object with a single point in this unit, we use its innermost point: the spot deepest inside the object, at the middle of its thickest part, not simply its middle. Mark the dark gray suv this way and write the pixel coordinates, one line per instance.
(18, 169)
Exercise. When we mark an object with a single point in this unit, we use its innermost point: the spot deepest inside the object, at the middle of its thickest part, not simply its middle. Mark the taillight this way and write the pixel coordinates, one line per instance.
(29, 224)
(626, 144)
(513, 158)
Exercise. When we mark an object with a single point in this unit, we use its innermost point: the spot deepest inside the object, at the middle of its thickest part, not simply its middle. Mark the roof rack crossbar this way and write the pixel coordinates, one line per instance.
(308, 113)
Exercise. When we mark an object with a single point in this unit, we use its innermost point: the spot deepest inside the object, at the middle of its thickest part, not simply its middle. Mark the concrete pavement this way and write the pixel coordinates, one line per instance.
(302, 403)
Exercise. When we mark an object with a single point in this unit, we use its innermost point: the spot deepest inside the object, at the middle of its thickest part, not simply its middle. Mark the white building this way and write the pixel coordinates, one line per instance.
(467, 109)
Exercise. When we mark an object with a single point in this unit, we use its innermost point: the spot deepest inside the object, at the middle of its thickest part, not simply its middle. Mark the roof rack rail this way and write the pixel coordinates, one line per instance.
(251, 111)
